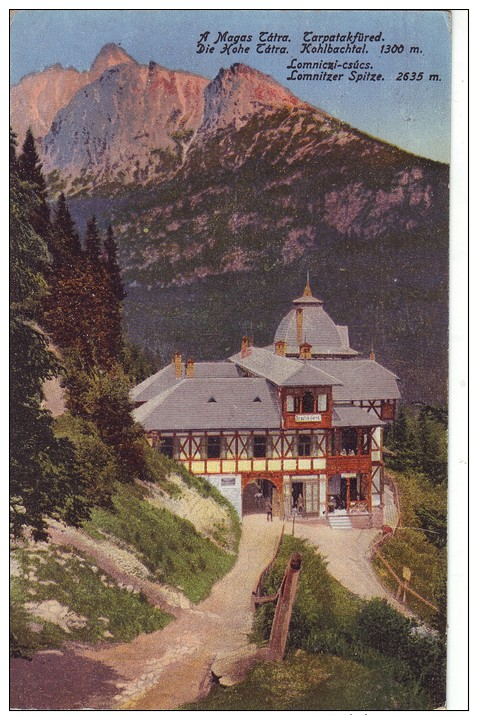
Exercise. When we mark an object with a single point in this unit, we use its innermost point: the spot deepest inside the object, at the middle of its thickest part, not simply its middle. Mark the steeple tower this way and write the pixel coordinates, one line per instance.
(307, 289)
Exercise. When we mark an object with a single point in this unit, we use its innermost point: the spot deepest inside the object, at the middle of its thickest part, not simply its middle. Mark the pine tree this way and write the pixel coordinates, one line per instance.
(93, 243)
(43, 480)
(13, 151)
(112, 265)
(30, 171)
(65, 239)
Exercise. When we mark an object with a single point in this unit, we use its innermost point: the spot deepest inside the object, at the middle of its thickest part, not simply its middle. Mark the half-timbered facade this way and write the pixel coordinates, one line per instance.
(299, 422)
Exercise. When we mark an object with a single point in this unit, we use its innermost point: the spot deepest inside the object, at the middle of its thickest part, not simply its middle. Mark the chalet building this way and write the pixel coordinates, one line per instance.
(299, 422)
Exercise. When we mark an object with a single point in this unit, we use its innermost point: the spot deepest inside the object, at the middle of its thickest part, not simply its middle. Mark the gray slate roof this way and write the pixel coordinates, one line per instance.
(187, 406)
(165, 378)
(352, 416)
(318, 329)
(362, 380)
(283, 371)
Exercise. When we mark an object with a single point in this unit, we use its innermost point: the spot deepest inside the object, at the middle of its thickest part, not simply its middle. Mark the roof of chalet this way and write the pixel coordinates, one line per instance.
(212, 404)
(166, 378)
(283, 371)
(353, 416)
(362, 380)
(318, 329)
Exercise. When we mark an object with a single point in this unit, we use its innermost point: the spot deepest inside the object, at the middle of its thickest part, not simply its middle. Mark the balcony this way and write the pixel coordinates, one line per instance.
(349, 463)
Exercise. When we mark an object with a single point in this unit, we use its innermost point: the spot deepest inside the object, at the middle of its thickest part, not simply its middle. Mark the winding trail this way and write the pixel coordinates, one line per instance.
(170, 667)
(167, 668)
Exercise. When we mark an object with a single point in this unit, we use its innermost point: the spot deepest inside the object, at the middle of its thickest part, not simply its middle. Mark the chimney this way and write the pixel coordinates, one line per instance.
(372, 355)
(246, 346)
(280, 348)
(305, 353)
(300, 322)
(178, 366)
(190, 367)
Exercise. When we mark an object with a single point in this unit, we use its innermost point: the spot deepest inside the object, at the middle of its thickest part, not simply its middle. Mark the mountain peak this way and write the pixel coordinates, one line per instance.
(239, 91)
(109, 56)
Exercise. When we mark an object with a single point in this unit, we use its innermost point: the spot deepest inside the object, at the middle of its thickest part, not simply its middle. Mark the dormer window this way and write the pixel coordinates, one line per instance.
(257, 399)
(211, 399)
(307, 403)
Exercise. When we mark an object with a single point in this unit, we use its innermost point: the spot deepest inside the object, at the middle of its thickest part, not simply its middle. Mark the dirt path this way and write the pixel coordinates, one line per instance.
(347, 553)
(165, 669)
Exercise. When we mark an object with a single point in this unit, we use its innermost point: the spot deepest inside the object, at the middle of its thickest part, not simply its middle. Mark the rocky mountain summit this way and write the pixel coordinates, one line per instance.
(37, 98)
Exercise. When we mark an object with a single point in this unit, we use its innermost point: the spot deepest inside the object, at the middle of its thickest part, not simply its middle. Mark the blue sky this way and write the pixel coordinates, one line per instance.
(415, 115)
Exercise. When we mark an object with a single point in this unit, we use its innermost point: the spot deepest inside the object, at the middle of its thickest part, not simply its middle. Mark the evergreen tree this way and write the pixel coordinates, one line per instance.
(93, 243)
(80, 317)
(65, 239)
(30, 171)
(13, 151)
(405, 440)
(43, 481)
(433, 456)
(106, 402)
(112, 265)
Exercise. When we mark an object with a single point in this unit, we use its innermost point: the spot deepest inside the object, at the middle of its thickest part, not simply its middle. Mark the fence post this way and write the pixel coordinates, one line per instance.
(283, 612)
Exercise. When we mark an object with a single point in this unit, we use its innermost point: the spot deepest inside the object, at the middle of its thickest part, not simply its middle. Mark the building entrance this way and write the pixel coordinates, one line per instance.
(256, 496)
(298, 497)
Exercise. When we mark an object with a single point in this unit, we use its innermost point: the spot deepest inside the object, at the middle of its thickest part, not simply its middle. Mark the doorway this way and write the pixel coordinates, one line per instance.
(298, 497)
(348, 491)
(256, 495)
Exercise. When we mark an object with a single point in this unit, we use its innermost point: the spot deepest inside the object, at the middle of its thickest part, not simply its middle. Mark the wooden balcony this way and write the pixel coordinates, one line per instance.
(338, 464)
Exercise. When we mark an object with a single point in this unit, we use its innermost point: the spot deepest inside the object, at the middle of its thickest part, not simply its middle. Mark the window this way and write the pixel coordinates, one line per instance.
(166, 446)
(289, 403)
(322, 402)
(349, 441)
(305, 445)
(213, 447)
(259, 445)
(365, 442)
(308, 403)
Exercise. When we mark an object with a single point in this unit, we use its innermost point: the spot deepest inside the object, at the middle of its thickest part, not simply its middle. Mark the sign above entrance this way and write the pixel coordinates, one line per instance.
(308, 418)
(348, 475)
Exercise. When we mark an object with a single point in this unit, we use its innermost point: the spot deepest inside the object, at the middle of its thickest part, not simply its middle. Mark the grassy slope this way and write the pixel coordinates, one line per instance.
(170, 547)
(411, 547)
(57, 574)
(343, 653)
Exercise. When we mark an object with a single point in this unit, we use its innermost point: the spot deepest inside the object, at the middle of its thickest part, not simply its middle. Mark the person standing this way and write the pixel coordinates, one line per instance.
(269, 509)
(258, 497)
(300, 503)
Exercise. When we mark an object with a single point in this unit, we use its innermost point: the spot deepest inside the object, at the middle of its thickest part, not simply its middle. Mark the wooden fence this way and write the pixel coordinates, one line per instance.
(259, 587)
(402, 585)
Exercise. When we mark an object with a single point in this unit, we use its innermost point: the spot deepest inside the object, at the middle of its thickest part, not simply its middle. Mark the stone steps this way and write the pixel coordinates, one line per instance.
(339, 522)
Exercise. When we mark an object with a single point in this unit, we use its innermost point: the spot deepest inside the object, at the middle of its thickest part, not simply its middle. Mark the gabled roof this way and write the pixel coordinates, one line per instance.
(188, 406)
(283, 371)
(362, 380)
(165, 378)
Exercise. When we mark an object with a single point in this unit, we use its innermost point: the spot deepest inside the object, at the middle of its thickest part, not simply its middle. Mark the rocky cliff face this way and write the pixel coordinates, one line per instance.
(239, 92)
(131, 124)
(36, 99)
